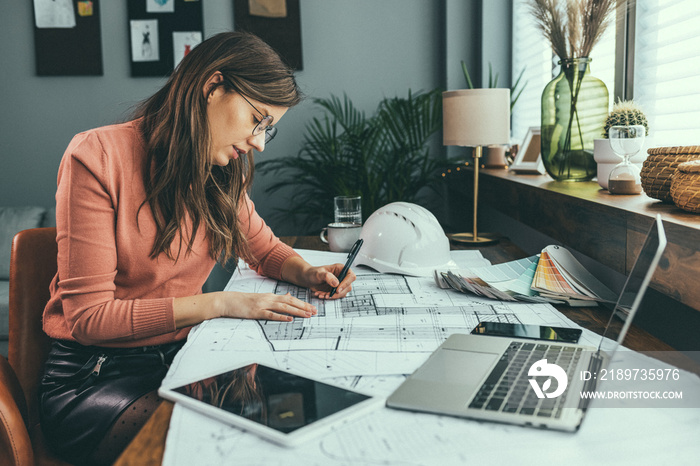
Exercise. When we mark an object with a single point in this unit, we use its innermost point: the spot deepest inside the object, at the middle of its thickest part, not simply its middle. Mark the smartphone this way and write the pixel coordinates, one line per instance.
(533, 332)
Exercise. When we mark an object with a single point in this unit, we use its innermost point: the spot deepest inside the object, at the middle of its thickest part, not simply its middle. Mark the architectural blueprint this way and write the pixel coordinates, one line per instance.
(388, 324)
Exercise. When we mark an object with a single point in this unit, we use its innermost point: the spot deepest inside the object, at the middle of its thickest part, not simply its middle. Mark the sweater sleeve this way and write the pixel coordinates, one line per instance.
(268, 252)
(87, 254)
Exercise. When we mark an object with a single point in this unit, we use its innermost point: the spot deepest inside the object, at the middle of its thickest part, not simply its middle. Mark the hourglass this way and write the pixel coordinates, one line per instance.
(626, 142)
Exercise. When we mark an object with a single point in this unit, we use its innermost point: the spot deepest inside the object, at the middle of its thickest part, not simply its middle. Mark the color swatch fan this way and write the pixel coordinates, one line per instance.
(560, 276)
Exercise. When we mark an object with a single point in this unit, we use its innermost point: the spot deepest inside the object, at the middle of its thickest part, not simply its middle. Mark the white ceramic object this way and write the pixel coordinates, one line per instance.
(606, 159)
(341, 236)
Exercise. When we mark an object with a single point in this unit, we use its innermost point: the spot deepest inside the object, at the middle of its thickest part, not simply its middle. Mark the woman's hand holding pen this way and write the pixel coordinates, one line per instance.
(330, 281)
(321, 280)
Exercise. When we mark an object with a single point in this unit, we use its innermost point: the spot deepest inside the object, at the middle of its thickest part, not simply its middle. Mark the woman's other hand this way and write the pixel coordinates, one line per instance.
(267, 306)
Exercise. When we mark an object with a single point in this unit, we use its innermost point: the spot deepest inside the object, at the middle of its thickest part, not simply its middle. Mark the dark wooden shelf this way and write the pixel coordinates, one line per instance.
(605, 227)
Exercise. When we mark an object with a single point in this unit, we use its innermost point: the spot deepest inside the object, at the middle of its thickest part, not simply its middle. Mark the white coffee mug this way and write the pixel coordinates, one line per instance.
(341, 236)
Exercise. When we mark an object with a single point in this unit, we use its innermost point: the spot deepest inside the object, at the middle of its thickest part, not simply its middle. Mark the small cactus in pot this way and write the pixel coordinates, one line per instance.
(625, 113)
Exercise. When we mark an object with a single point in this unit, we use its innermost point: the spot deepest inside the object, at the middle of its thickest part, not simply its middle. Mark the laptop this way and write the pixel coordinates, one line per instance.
(520, 381)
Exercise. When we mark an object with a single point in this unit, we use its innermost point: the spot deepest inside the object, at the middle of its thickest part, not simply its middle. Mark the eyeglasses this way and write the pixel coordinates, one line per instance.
(265, 124)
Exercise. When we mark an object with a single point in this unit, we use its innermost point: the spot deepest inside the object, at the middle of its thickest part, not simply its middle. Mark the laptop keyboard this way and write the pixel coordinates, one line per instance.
(507, 388)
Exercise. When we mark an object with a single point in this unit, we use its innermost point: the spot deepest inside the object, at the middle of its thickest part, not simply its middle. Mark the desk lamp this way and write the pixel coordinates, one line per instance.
(475, 118)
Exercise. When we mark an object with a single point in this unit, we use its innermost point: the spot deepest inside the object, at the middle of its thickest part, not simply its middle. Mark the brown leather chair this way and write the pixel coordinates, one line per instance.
(32, 267)
(15, 444)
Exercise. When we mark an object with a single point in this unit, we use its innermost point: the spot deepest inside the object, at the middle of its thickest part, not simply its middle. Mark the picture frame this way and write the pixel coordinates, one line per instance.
(528, 160)
(161, 33)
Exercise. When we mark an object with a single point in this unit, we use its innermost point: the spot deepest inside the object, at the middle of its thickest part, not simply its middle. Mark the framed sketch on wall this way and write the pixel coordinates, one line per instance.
(161, 33)
(529, 159)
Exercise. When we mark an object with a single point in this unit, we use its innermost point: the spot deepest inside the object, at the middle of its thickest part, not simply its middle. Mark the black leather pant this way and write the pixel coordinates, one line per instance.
(86, 388)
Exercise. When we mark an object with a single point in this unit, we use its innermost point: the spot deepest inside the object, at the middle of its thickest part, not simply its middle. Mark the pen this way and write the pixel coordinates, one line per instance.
(351, 257)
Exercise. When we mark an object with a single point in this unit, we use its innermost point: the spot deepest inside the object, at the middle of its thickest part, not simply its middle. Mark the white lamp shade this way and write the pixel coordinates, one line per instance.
(476, 117)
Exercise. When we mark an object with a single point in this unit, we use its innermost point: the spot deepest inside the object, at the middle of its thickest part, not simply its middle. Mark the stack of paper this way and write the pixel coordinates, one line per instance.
(555, 277)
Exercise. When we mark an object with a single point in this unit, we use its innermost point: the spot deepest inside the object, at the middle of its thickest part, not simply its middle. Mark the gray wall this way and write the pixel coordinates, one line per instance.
(365, 48)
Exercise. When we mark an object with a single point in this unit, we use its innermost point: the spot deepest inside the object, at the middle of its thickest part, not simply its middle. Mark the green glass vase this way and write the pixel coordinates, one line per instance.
(574, 108)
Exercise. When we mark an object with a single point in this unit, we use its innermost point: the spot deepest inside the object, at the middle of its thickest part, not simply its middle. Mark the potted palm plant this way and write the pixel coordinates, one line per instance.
(384, 157)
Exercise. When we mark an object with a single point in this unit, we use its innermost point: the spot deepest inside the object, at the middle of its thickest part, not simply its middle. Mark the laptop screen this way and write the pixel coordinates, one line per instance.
(632, 293)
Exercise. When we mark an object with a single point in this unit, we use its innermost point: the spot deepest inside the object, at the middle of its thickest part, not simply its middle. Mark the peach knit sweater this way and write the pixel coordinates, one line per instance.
(108, 291)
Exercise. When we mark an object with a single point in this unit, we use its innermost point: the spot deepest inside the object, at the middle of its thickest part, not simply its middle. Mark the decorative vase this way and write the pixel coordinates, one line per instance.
(574, 107)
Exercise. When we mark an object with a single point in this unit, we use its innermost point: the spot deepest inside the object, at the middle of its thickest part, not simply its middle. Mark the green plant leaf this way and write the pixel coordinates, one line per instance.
(466, 76)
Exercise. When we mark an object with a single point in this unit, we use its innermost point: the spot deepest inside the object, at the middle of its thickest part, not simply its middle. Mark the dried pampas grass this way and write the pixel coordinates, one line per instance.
(573, 27)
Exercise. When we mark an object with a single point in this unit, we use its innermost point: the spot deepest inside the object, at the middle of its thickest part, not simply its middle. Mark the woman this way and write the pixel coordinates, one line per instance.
(144, 209)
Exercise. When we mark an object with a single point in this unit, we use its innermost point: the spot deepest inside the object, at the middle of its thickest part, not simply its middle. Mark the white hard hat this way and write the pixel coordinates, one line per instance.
(404, 238)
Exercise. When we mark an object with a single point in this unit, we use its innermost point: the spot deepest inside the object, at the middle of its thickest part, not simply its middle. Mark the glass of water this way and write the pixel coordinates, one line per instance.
(348, 209)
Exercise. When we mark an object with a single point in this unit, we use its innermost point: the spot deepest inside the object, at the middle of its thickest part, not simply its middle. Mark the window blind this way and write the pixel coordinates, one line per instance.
(531, 52)
(667, 69)
(603, 59)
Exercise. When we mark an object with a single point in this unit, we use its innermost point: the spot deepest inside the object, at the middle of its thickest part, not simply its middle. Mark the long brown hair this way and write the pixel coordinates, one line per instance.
(180, 179)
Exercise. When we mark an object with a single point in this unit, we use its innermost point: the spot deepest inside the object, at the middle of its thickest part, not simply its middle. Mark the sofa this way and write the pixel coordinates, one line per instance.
(12, 221)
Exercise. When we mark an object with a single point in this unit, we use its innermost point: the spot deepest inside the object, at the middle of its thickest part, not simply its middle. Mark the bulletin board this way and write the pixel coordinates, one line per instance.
(67, 38)
(161, 33)
(277, 22)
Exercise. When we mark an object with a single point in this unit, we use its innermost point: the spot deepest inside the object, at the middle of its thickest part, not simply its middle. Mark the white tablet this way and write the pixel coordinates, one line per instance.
(277, 405)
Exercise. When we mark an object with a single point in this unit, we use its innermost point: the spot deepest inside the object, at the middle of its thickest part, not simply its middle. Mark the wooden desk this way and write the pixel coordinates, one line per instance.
(148, 446)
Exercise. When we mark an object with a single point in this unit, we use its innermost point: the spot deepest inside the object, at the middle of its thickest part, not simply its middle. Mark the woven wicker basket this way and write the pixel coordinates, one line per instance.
(660, 165)
(685, 186)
